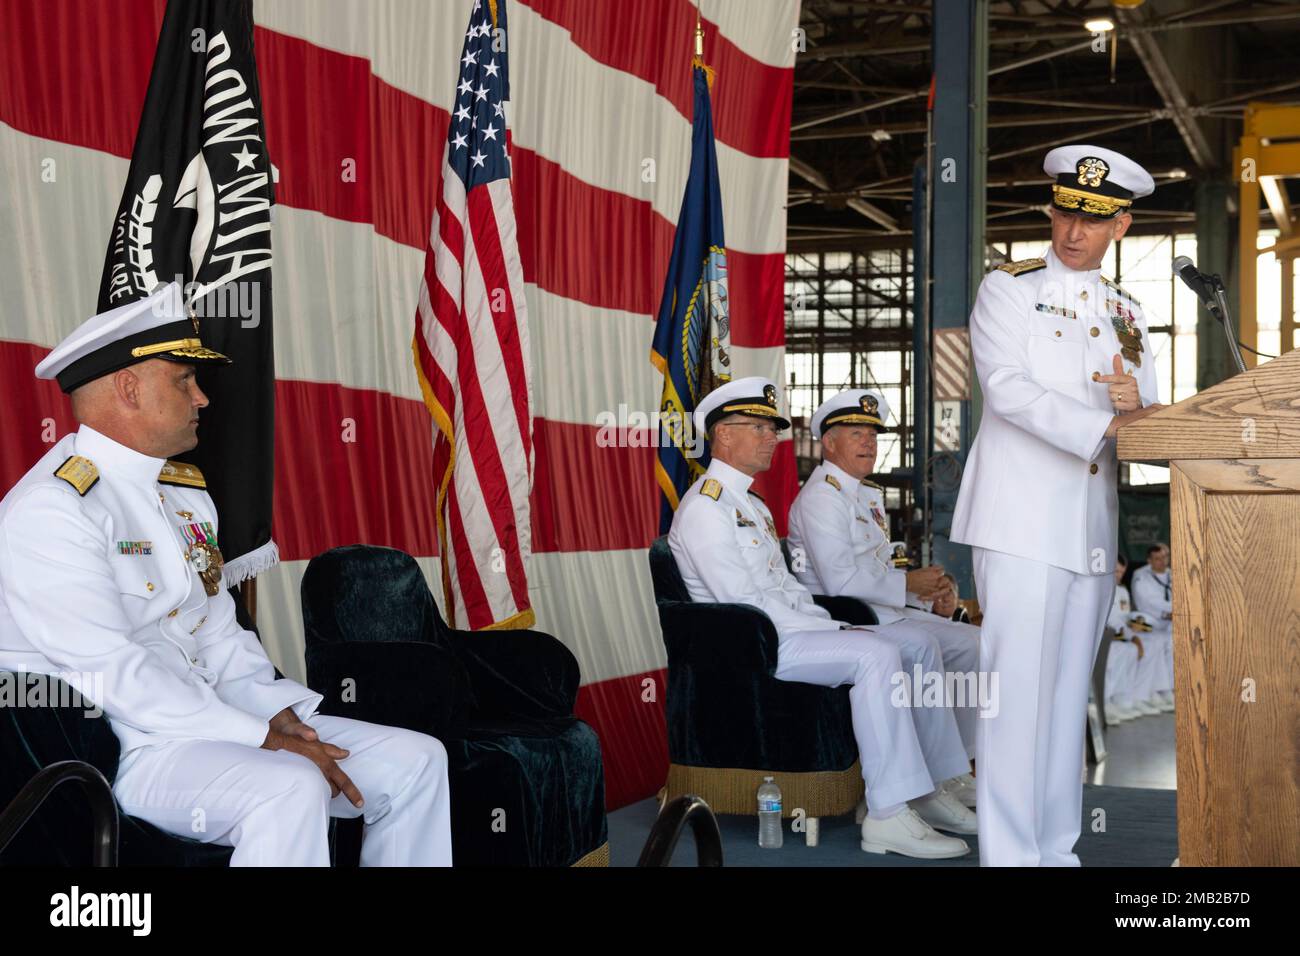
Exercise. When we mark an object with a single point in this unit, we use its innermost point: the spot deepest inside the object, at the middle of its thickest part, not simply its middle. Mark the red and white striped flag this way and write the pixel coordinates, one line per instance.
(471, 349)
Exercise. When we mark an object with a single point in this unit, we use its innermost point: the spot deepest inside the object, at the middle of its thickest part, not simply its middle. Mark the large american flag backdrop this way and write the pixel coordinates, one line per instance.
(356, 100)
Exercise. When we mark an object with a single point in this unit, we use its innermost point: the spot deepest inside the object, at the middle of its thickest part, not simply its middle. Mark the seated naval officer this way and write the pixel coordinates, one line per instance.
(726, 545)
(1153, 595)
(1155, 673)
(838, 525)
(947, 603)
(1124, 654)
(110, 565)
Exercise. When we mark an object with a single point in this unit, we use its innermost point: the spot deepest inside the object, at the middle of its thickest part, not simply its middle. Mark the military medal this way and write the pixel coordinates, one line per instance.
(771, 526)
(203, 555)
(1130, 338)
(881, 520)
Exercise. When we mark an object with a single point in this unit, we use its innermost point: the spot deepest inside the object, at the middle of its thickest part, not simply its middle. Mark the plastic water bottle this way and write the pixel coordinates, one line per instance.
(769, 815)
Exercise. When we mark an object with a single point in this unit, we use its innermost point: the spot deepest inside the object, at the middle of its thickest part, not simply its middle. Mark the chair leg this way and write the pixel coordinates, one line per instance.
(812, 831)
(662, 797)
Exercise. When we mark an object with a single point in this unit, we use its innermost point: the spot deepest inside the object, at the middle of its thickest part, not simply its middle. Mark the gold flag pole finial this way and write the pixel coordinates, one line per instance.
(698, 59)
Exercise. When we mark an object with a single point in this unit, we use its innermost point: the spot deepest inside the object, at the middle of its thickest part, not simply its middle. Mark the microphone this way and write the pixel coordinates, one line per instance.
(1210, 290)
(1204, 286)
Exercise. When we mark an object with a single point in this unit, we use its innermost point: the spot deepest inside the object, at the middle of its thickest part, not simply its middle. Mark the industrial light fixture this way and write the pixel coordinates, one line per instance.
(1099, 25)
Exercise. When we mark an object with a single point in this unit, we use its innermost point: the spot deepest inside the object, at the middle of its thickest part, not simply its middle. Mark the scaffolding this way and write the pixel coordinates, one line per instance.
(850, 326)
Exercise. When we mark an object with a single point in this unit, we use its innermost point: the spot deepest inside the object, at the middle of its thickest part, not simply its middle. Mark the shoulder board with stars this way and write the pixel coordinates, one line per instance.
(1111, 283)
(833, 482)
(711, 488)
(79, 472)
(1023, 266)
(180, 473)
(867, 482)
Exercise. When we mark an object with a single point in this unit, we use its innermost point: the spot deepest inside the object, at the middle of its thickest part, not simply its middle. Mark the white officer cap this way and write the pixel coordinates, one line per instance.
(857, 406)
(1137, 621)
(153, 327)
(1095, 181)
(754, 396)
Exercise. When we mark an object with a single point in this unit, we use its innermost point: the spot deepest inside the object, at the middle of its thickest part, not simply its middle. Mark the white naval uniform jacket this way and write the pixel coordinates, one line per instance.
(1120, 606)
(727, 550)
(1040, 479)
(98, 583)
(1154, 595)
(839, 528)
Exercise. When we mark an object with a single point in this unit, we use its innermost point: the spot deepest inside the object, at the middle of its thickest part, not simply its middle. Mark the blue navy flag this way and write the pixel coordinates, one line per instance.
(692, 343)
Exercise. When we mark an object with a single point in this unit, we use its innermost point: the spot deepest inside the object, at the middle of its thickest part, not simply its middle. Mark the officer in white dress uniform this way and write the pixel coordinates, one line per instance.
(109, 565)
(839, 537)
(1153, 595)
(1063, 360)
(725, 542)
(1154, 680)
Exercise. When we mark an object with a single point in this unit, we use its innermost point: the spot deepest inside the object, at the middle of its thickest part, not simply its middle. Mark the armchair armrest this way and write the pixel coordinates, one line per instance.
(32, 738)
(718, 637)
(518, 673)
(411, 684)
(847, 609)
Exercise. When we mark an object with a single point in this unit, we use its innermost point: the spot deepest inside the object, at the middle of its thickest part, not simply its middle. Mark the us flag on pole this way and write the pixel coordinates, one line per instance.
(471, 349)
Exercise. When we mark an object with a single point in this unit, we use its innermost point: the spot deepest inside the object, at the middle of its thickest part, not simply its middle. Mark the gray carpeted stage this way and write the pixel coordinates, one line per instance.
(1138, 827)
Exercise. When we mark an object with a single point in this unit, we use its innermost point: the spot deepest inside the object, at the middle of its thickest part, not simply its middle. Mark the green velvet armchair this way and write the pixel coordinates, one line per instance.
(526, 778)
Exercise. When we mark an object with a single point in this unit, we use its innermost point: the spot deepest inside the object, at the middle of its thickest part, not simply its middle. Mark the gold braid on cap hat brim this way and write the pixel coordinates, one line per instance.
(853, 418)
(1094, 204)
(182, 348)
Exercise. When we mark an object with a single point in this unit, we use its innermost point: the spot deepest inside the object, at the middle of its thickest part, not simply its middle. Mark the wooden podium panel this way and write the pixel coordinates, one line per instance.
(1235, 526)
(1234, 456)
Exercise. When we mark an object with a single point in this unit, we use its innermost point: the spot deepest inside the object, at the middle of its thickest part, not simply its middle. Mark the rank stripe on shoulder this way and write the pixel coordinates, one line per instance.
(180, 473)
(1023, 266)
(833, 482)
(711, 488)
(757, 495)
(79, 472)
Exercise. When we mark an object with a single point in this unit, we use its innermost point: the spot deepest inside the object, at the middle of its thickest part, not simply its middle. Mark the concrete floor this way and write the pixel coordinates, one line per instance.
(1139, 753)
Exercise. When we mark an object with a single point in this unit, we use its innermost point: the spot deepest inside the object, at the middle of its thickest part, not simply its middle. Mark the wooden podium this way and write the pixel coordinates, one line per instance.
(1234, 457)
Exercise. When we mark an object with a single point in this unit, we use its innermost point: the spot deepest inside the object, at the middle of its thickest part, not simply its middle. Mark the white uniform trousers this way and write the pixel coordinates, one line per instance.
(274, 806)
(1122, 673)
(905, 751)
(1159, 645)
(959, 649)
(1042, 625)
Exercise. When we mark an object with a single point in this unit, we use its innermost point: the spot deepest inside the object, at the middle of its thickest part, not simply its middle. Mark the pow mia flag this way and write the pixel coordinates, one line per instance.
(197, 210)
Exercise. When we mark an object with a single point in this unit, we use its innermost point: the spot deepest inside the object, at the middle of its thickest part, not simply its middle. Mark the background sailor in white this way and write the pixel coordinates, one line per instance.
(1123, 656)
(1153, 595)
(725, 543)
(1054, 344)
(101, 547)
(839, 537)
